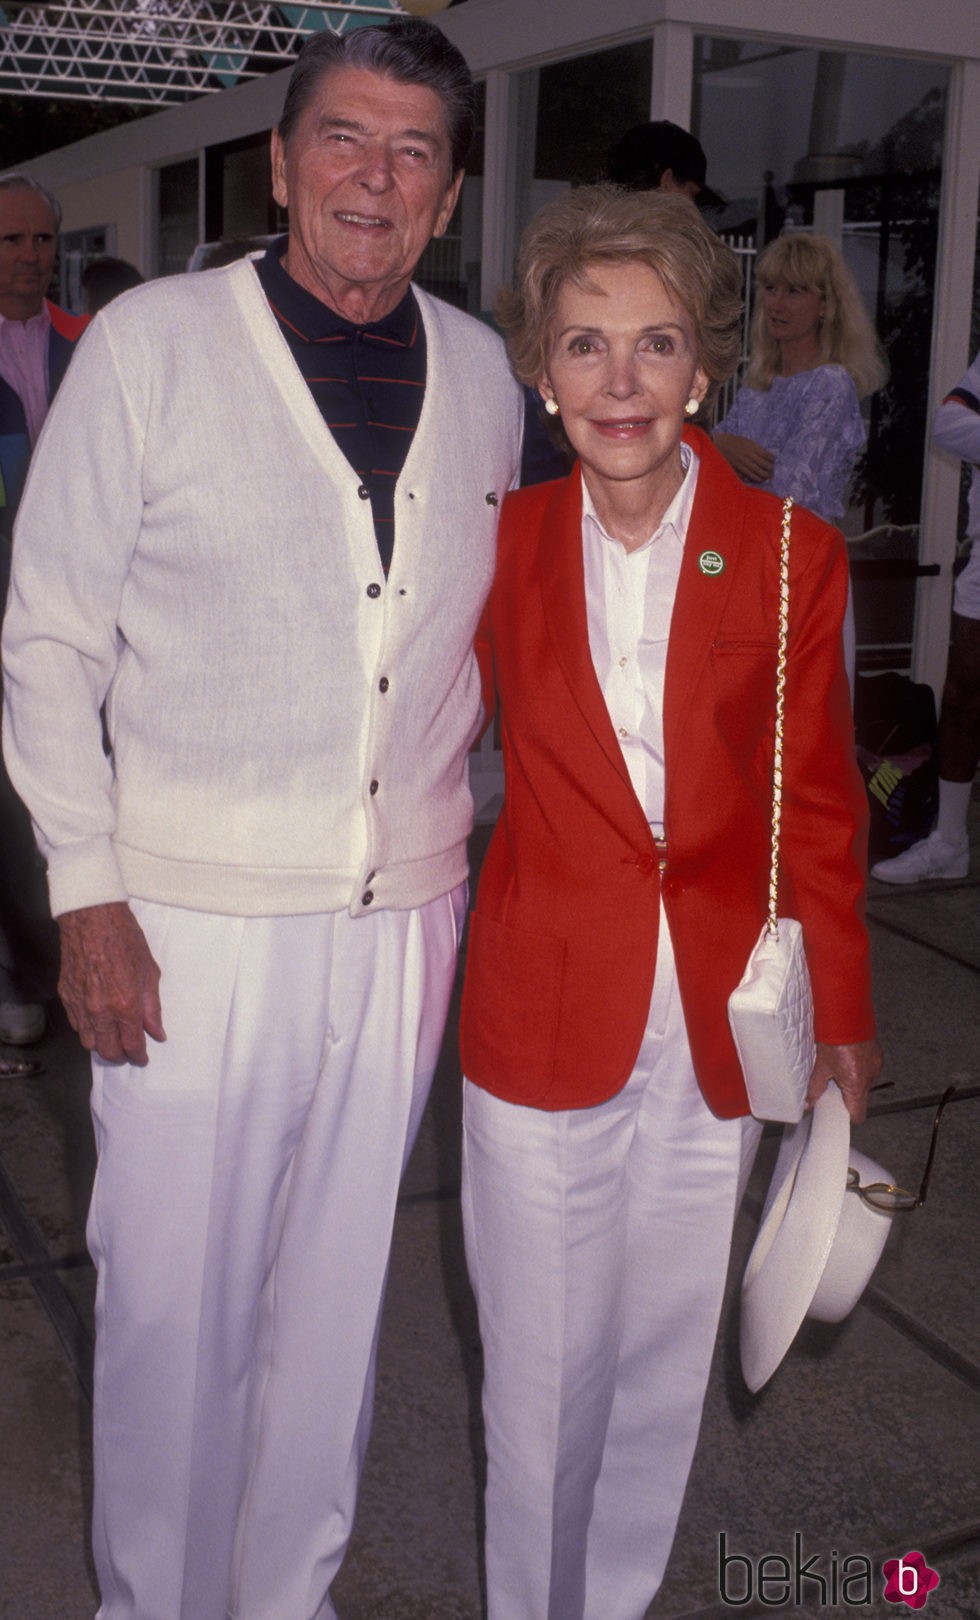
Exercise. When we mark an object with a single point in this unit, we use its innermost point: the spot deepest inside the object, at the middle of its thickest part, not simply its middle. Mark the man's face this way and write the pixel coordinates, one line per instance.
(366, 179)
(28, 242)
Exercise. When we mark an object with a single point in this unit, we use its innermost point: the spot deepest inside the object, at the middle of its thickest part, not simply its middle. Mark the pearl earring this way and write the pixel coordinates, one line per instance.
(551, 406)
(692, 407)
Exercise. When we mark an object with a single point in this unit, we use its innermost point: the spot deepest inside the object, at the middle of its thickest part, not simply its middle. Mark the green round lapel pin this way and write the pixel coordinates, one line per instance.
(711, 563)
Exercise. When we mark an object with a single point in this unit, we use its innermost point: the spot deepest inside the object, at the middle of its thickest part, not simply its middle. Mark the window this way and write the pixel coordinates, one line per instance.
(177, 215)
(850, 145)
(75, 249)
(450, 265)
(565, 118)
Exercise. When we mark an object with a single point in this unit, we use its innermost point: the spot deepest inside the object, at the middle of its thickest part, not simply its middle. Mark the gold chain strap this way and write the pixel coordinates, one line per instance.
(772, 925)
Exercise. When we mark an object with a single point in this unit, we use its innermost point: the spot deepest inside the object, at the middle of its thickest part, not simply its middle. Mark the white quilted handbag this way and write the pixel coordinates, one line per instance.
(770, 1011)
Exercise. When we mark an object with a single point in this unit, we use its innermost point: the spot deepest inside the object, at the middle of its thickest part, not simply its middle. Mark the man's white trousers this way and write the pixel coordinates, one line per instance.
(241, 1223)
(598, 1243)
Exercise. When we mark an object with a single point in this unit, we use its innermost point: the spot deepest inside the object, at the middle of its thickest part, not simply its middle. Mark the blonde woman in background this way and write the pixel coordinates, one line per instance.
(796, 427)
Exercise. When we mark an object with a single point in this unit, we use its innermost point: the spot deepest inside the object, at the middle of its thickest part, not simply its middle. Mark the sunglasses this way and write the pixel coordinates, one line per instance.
(882, 1195)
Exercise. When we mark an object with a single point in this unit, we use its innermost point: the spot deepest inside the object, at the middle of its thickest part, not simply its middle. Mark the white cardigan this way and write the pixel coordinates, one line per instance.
(191, 548)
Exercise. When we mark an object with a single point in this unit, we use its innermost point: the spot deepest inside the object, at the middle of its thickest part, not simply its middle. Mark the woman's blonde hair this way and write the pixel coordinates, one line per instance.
(847, 336)
(604, 225)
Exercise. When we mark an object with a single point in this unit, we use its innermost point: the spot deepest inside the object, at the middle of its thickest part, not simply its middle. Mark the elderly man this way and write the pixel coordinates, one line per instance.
(261, 529)
(36, 342)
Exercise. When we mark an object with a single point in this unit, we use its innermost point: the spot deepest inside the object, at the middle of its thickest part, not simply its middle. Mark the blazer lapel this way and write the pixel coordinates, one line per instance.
(715, 531)
(563, 596)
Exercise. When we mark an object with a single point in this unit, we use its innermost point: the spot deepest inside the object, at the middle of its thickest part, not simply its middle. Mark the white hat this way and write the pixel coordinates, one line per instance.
(816, 1249)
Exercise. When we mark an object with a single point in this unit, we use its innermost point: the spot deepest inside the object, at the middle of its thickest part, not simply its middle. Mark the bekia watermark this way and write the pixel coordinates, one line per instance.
(821, 1580)
(909, 1580)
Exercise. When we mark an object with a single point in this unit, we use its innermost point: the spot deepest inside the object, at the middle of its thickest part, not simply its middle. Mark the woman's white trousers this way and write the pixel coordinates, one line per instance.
(240, 1224)
(598, 1243)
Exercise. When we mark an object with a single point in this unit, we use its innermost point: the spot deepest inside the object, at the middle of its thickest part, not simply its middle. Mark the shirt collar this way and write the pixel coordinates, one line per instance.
(36, 323)
(675, 521)
(314, 320)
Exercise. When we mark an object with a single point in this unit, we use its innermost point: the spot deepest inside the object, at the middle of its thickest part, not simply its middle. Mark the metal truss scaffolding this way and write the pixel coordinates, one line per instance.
(154, 52)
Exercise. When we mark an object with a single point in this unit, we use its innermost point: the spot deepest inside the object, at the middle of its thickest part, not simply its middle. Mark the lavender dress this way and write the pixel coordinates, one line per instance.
(812, 424)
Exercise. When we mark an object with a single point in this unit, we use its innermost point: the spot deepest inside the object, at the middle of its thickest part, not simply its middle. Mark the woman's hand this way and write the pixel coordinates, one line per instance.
(750, 460)
(855, 1068)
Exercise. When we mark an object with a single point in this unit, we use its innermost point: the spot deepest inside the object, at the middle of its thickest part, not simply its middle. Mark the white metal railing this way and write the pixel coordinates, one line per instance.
(157, 51)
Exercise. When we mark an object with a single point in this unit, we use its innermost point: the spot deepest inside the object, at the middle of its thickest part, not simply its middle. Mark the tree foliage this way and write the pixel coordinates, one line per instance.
(30, 127)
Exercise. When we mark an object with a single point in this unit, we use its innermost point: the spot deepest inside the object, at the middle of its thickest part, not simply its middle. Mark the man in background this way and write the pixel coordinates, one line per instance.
(946, 852)
(660, 156)
(104, 279)
(36, 343)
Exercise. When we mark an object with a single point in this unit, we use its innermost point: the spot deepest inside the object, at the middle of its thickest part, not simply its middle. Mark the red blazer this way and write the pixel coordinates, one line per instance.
(563, 942)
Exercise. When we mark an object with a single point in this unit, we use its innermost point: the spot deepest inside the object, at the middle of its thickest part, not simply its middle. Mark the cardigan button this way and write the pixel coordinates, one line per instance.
(367, 897)
(374, 591)
(383, 684)
(364, 492)
(373, 789)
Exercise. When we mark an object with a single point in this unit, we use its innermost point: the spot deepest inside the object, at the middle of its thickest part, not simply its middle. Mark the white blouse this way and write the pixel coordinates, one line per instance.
(629, 598)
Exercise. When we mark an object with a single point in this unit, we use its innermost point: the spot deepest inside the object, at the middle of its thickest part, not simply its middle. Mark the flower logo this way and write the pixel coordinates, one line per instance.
(909, 1580)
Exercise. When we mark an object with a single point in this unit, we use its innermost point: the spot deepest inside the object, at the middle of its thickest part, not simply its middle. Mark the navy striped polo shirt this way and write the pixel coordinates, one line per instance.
(368, 382)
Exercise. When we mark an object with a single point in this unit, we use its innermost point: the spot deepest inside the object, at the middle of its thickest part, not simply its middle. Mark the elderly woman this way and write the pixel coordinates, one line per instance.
(633, 628)
(796, 425)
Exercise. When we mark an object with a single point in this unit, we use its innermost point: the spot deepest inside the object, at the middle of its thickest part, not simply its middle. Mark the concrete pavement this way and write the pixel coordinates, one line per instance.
(866, 1444)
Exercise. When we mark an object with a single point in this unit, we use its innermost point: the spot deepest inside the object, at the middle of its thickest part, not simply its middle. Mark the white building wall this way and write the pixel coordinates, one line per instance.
(118, 199)
(108, 179)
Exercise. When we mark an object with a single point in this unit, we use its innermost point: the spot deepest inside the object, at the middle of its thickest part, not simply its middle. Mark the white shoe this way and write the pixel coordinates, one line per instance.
(21, 1023)
(932, 857)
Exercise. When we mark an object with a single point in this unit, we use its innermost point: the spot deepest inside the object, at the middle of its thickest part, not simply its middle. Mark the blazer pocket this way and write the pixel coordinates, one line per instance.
(759, 647)
(511, 1006)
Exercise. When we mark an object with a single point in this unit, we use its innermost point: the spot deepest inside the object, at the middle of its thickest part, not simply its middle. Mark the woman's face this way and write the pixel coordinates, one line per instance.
(622, 364)
(793, 313)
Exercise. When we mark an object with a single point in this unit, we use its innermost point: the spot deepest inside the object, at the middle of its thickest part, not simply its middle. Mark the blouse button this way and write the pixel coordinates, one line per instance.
(367, 897)
(373, 789)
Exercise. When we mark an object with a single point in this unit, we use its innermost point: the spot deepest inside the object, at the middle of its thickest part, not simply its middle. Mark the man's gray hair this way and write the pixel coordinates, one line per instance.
(24, 182)
(408, 49)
